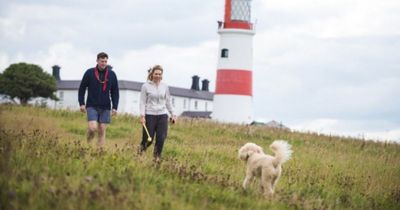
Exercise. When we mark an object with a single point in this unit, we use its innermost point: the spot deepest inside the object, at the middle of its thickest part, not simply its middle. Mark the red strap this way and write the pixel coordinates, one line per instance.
(96, 74)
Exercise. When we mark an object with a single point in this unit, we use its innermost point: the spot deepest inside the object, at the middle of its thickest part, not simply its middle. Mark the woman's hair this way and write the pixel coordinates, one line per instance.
(151, 71)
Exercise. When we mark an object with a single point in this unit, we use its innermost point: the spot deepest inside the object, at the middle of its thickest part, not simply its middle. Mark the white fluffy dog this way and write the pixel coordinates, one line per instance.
(265, 166)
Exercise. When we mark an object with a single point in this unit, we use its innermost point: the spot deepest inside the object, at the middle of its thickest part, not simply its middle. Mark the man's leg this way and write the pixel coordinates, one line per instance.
(92, 117)
(102, 134)
(92, 126)
(104, 119)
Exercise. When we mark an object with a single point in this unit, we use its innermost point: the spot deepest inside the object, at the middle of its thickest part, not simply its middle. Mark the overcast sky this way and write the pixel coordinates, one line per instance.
(330, 66)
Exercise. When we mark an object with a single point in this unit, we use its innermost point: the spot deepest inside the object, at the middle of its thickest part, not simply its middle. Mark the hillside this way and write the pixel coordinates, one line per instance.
(45, 163)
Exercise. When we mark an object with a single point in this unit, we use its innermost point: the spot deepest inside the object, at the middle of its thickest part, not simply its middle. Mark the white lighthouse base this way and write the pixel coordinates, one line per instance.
(232, 109)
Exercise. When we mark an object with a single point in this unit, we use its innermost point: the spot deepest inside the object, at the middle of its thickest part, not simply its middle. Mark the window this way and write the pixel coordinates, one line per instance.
(224, 53)
(241, 10)
(184, 103)
(195, 105)
(173, 102)
(61, 95)
(206, 106)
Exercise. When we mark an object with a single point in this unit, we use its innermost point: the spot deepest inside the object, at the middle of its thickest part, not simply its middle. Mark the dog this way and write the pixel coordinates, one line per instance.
(267, 167)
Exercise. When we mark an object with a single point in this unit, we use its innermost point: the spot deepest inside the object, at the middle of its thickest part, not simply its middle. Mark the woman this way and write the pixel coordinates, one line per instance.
(155, 103)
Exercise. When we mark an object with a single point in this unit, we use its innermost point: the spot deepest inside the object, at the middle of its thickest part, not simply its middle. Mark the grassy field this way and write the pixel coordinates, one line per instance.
(45, 163)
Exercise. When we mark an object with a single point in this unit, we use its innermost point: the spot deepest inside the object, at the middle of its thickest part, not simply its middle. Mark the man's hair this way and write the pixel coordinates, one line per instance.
(102, 55)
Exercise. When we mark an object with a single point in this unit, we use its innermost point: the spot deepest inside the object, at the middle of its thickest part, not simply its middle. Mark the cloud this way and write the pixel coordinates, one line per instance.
(334, 19)
(4, 60)
(389, 135)
(10, 28)
(321, 64)
(180, 63)
(116, 27)
(72, 60)
(303, 77)
(350, 128)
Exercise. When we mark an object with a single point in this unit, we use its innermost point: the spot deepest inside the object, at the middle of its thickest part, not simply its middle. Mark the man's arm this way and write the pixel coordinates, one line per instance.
(115, 95)
(81, 93)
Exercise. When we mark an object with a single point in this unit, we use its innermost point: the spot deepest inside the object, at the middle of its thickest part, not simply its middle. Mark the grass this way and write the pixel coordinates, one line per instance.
(45, 163)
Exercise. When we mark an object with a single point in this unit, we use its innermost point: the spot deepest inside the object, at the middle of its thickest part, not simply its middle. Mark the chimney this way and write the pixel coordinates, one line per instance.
(204, 84)
(56, 72)
(195, 83)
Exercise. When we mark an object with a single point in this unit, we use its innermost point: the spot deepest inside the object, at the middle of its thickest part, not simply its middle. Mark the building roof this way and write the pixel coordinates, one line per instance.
(275, 124)
(136, 86)
(68, 84)
(196, 114)
(271, 124)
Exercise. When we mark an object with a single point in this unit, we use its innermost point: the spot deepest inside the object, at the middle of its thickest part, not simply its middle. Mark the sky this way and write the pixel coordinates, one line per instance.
(329, 66)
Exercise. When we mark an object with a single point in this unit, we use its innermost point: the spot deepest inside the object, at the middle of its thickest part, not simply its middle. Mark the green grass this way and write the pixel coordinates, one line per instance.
(45, 163)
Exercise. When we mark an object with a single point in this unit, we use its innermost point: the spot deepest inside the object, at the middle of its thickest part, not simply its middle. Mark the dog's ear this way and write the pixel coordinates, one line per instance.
(244, 153)
(254, 149)
(248, 150)
(258, 149)
(251, 152)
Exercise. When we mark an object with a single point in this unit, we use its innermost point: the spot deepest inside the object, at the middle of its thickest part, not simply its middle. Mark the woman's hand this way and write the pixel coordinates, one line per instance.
(172, 119)
(142, 120)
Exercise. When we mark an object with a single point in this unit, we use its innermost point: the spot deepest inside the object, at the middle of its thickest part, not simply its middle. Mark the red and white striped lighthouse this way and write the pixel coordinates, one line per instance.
(234, 90)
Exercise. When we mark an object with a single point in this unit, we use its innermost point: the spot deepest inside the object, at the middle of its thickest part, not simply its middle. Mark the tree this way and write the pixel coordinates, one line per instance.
(25, 81)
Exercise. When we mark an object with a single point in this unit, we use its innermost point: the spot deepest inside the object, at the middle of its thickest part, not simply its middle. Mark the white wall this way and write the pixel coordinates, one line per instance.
(129, 102)
(182, 104)
(240, 45)
(68, 100)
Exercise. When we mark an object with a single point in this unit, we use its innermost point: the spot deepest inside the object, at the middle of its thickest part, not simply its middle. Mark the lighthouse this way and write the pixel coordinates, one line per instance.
(234, 89)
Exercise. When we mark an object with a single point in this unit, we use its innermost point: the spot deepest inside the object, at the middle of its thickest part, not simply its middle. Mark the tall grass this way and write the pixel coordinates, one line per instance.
(45, 163)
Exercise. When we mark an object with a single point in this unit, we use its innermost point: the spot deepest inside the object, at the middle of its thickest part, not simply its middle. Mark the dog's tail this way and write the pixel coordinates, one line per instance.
(282, 151)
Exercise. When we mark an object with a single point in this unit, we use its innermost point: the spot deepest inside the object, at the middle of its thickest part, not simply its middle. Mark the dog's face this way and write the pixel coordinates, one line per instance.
(248, 150)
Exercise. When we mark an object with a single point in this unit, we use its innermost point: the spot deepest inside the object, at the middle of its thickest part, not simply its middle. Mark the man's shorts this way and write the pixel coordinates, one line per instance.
(99, 115)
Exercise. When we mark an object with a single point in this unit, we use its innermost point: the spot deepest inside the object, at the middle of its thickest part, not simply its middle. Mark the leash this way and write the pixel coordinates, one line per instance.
(148, 135)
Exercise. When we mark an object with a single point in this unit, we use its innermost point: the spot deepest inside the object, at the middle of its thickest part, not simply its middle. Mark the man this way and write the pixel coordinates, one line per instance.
(101, 83)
